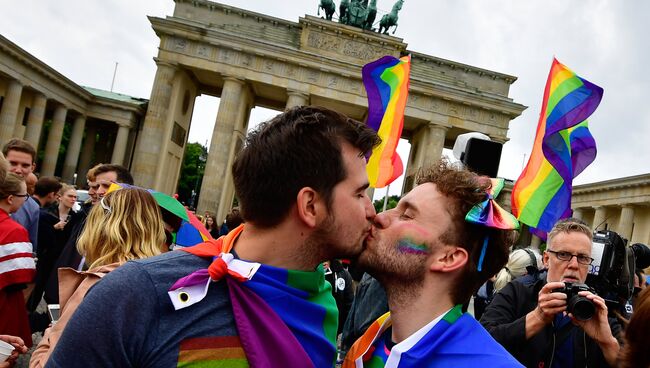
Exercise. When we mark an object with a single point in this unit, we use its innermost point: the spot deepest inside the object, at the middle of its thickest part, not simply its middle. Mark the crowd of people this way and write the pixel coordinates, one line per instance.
(274, 287)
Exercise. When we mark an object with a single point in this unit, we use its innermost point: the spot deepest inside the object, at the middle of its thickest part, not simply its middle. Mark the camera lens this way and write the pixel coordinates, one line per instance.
(581, 308)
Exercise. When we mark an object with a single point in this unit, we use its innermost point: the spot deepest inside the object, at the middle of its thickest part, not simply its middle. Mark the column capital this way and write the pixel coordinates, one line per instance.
(168, 64)
(124, 124)
(598, 207)
(626, 205)
(293, 92)
(229, 78)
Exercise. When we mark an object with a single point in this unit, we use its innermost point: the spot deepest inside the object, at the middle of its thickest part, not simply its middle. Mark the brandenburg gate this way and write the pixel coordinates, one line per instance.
(249, 59)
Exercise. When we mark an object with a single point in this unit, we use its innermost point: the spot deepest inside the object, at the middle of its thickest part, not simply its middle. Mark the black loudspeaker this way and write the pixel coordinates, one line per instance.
(482, 156)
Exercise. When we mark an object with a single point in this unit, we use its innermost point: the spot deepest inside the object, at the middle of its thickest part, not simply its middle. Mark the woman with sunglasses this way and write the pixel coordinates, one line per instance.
(17, 266)
(126, 225)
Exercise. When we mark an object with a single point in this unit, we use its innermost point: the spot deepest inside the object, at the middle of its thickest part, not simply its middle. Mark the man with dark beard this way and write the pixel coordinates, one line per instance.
(256, 296)
(430, 253)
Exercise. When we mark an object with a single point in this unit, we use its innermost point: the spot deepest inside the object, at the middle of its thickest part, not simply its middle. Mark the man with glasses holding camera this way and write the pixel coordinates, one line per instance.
(557, 322)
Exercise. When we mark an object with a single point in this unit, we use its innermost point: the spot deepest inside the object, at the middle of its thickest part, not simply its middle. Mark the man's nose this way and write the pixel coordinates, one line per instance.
(370, 211)
(382, 220)
(573, 262)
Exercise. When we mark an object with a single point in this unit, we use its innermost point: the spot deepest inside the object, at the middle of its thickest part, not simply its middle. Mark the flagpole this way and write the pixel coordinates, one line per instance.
(386, 198)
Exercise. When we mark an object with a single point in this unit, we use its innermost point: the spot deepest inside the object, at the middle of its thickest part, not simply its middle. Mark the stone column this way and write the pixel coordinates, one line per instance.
(599, 218)
(296, 98)
(54, 141)
(86, 155)
(9, 112)
(35, 120)
(119, 149)
(626, 223)
(72, 152)
(426, 148)
(149, 147)
(236, 143)
(535, 242)
(217, 165)
(578, 213)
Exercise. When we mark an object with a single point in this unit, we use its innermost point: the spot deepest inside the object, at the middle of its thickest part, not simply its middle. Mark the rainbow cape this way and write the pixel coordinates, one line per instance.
(387, 82)
(455, 339)
(284, 318)
(563, 148)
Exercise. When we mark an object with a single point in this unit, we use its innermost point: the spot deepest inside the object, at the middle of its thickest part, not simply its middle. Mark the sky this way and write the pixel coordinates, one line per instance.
(600, 40)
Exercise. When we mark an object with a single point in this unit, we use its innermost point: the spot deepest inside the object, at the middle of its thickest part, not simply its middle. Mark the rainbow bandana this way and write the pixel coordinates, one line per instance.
(455, 340)
(284, 318)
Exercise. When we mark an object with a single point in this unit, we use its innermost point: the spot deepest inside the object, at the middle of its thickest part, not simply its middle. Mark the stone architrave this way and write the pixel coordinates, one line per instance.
(9, 112)
(119, 149)
(54, 141)
(295, 98)
(86, 155)
(217, 165)
(626, 222)
(149, 147)
(74, 146)
(35, 119)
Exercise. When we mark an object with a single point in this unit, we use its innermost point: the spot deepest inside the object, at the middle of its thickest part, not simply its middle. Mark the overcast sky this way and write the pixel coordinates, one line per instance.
(602, 41)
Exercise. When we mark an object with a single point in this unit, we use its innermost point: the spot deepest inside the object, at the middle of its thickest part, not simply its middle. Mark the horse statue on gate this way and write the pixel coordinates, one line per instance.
(328, 6)
(343, 11)
(372, 13)
(390, 19)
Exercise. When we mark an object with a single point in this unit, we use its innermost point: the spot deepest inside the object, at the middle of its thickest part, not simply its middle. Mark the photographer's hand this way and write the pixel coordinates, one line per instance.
(598, 328)
(549, 304)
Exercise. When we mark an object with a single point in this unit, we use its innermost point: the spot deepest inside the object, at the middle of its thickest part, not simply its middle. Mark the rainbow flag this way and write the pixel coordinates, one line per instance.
(284, 318)
(387, 82)
(563, 148)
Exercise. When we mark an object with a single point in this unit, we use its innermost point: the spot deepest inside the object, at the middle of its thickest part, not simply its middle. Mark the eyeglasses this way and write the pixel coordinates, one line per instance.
(104, 205)
(21, 195)
(566, 256)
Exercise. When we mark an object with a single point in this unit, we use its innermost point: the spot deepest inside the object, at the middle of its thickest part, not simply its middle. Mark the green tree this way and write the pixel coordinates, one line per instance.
(191, 175)
(392, 203)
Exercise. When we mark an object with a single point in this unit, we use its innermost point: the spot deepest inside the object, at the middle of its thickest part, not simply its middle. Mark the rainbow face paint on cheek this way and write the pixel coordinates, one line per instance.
(409, 247)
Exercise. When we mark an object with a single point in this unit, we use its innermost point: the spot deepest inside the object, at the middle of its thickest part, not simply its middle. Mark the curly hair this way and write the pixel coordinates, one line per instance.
(634, 352)
(126, 225)
(466, 189)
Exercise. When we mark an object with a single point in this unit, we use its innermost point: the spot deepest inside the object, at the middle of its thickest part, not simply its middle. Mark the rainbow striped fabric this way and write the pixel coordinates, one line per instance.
(563, 147)
(285, 318)
(228, 349)
(454, 339)
(387, 82)
(489, 213)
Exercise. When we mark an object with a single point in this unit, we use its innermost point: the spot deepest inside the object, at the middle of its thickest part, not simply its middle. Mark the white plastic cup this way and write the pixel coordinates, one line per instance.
(5, 350)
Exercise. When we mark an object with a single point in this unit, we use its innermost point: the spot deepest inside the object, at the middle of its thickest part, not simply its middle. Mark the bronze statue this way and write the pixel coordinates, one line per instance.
(328, 6)
(361, 14)
(343, 11)
(390, 20)
(370, 17)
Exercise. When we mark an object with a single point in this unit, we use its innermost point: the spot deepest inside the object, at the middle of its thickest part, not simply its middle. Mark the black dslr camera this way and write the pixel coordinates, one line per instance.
(612, 272)
(579, 306)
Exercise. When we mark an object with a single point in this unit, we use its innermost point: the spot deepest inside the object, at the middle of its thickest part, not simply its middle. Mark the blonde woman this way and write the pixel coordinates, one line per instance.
(125, 225)
(520, 262)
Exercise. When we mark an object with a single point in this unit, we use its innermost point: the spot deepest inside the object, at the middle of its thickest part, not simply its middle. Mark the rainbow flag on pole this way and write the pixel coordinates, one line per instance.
(387, 82)
(563, 148)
